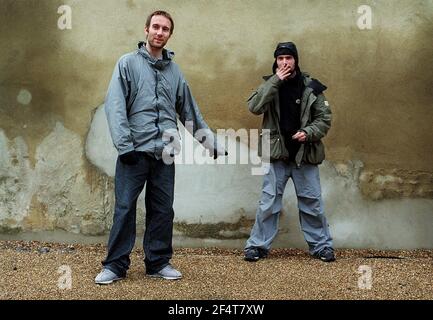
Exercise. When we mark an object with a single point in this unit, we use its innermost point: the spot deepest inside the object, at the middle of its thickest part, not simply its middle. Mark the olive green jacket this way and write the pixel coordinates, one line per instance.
(315, 118)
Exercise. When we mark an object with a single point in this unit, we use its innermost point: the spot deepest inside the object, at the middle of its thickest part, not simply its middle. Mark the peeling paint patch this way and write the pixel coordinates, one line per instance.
(55, 194)
(396, 184)
(99, 148)
(24, 97)
(15, 180)
(68, 197)
(37, 218)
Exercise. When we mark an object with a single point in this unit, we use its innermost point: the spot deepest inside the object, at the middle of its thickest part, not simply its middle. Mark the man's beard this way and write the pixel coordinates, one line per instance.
(157, 45)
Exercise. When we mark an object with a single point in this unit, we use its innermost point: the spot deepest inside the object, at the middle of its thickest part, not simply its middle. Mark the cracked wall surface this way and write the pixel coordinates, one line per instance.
(54, 193)
(57, 160)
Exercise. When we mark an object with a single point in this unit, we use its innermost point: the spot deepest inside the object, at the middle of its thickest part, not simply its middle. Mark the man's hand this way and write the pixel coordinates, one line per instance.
(301, 136)
(284, 72)
(129, 158)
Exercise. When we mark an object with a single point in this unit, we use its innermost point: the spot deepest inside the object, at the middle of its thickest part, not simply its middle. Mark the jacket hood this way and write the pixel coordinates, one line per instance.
(167, 56)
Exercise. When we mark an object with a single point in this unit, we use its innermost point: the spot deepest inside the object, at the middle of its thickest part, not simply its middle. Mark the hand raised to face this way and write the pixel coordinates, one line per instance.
(284, 72)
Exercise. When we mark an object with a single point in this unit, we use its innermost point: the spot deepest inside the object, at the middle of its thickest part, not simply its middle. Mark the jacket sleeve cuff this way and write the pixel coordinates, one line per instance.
(275, 80)
(309, 133)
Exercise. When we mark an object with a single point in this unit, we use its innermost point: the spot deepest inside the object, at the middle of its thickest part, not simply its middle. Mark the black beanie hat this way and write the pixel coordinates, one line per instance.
(286, 48)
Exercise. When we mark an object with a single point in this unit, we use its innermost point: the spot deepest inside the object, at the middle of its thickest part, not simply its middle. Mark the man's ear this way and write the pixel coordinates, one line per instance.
(146, 30)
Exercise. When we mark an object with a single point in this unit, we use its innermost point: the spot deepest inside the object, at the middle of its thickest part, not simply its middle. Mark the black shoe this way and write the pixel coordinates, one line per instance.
(326, 255)
(254, 254)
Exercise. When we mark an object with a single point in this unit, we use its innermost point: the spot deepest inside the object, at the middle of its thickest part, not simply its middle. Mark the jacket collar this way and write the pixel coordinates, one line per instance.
(167, 56)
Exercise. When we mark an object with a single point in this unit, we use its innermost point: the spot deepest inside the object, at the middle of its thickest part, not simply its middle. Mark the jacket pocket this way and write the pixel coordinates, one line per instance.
(314, 152)
(275, 144)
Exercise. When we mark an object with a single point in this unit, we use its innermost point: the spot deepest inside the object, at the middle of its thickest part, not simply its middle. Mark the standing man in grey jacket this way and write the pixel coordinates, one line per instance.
(298, 116)
(146, 92)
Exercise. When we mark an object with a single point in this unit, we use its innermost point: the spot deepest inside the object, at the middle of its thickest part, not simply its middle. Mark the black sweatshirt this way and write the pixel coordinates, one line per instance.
(290, 112)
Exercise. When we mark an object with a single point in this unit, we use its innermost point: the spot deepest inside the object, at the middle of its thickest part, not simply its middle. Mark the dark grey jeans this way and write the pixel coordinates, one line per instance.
(157, 242)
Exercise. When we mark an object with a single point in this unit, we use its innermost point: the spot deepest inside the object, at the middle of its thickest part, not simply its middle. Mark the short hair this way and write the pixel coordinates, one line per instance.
(160, 13)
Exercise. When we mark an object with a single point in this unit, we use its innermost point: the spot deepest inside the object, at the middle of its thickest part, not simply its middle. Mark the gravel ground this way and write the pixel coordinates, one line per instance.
(34, 270)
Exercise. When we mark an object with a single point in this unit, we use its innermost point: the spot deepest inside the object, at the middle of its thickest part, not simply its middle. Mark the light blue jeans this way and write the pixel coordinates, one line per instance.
(306, 180)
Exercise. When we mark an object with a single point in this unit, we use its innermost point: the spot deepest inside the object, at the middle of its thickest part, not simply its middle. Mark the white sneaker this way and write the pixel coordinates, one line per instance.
(168, 273)
(107, 276)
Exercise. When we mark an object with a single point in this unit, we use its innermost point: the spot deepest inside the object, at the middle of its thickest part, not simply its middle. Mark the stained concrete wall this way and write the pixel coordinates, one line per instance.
(378, 180)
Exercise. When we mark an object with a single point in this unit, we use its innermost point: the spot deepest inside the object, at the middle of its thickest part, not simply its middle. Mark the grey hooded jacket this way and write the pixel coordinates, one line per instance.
(142, 101)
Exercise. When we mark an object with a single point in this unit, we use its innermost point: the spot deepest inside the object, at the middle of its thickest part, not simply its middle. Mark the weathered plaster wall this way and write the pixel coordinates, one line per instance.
(379, 83)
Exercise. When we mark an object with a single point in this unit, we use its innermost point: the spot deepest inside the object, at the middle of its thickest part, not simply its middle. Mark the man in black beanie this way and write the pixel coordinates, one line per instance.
(298, 116)
(290, 95)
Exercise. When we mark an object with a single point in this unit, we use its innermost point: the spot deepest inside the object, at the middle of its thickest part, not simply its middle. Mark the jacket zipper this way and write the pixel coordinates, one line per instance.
(157, 98)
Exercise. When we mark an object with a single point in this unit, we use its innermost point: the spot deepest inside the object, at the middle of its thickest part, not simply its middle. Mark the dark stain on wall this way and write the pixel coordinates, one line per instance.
(62, 82)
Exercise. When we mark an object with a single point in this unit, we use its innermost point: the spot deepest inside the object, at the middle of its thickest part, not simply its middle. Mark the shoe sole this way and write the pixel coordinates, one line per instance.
(255, 259)
(109, 281)
(157, 276)
(325, 260)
